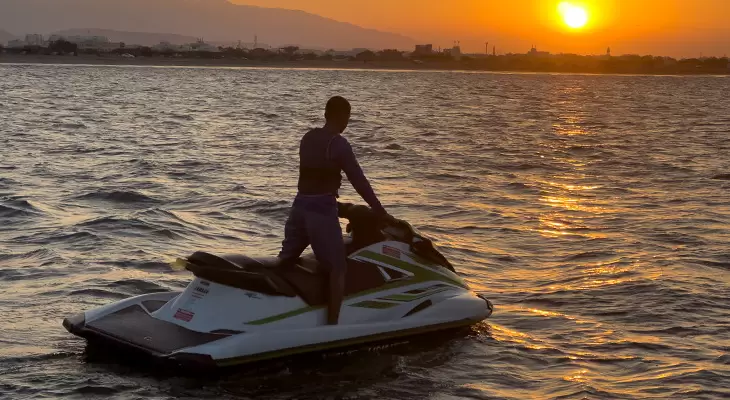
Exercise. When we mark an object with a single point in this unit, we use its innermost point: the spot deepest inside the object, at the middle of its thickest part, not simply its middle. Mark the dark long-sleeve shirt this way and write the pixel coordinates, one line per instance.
(341, 152)
(322, 156)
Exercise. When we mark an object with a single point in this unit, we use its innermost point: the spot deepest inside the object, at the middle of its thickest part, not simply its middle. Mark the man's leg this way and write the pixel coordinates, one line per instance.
(296, 238)
(325, 235)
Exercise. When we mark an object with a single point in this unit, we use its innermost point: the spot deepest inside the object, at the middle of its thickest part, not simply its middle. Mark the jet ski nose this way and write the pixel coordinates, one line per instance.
(489, 303)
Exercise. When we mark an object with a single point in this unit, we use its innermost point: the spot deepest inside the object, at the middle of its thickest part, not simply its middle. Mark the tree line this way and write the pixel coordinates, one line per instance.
(627, 64)
(54, 47)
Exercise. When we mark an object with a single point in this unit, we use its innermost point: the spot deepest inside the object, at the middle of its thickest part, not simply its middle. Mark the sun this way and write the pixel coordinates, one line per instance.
(573, 15)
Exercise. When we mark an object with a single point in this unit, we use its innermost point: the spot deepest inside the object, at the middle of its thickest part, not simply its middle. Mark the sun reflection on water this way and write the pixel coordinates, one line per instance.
(578, 376)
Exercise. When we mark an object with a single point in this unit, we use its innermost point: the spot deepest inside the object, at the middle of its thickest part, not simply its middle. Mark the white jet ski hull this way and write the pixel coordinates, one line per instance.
(246, 310)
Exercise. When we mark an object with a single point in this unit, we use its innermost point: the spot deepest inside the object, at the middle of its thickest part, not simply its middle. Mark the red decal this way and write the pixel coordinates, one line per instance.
(391, 251)
(184, 315)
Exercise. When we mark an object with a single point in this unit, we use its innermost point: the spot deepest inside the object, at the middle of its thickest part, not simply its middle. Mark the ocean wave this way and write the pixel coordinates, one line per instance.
(723, 359)
(590, 255)
(70, 125)
(261, 207)
(182, 117)
(528, 166)
(6, 183)
(16, 207)
(130, 227)
(118, 196)
(677, 238)
(98, 293)
(268, 115)
(137, 286)
(56, 355)
(725, 265)
(520, 186)
(11, 212)
(77, 238)
(139, 265)
(37, 254)
(678, 331)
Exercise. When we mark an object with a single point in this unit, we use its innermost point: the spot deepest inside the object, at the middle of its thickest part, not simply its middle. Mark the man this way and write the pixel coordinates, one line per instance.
(323, 155)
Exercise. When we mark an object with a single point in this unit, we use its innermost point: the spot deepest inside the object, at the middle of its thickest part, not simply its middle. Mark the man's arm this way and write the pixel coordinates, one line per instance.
(342, 152)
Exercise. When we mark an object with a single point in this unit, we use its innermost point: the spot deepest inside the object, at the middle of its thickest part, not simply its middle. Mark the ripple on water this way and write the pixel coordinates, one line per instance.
(118, 196)
(17, 207)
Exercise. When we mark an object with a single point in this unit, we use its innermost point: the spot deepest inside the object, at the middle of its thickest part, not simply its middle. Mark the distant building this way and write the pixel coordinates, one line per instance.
(454, 52)
(200, 45)
(165, 47)
(423, 50)
(533, 52)
(310, 51)
(34, 40)
(16, 44)
(91, 42)
(342, 54)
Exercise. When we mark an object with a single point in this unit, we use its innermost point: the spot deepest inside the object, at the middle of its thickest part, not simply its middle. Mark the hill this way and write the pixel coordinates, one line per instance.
(5, 37)
(214, 20)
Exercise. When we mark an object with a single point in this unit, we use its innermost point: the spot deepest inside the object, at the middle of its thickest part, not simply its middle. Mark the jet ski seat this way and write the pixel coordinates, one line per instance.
(249, 263)
(313, 287)
(247, 273)
(271, 276)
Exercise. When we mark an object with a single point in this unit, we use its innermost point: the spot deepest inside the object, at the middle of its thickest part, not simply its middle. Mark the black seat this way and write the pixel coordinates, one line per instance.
(258, 276)
(274, 277)
(313, 287)
(249, 263)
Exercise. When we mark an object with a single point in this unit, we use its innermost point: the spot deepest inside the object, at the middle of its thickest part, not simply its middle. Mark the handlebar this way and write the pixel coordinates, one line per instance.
(365, 220)
(359, 213)
(363, 217)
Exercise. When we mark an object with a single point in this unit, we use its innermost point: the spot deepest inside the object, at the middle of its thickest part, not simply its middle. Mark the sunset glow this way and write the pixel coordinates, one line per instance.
(658, 27)
(573, 15)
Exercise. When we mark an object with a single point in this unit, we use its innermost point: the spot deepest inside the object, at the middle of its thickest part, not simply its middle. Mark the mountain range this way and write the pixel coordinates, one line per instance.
(213, 20)
(5, 36)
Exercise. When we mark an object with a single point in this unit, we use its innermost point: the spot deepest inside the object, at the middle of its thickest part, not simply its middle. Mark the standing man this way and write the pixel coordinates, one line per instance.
(323, 155)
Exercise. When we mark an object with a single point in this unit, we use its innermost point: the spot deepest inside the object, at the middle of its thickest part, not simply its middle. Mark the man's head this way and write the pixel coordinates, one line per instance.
(337, 113)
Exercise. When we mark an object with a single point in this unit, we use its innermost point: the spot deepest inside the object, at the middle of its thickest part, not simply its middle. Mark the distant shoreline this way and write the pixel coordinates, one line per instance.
(233, 63)
(405, 65)
(201, 62)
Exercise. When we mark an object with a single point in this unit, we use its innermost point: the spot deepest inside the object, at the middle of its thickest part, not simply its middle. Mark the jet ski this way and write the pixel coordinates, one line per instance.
(239, 309)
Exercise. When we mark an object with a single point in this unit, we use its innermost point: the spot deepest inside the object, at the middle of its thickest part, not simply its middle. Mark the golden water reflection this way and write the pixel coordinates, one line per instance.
(504, 334)
(578, 376)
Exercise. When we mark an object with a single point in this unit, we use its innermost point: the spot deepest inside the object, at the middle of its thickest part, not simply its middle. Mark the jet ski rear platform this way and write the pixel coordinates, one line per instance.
(240, 309)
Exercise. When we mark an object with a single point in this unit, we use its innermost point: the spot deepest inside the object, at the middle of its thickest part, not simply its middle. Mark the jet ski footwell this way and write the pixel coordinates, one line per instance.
(134, 326)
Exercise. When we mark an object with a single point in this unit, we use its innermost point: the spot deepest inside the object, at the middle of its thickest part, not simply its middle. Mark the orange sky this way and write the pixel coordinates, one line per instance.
(680, 28)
